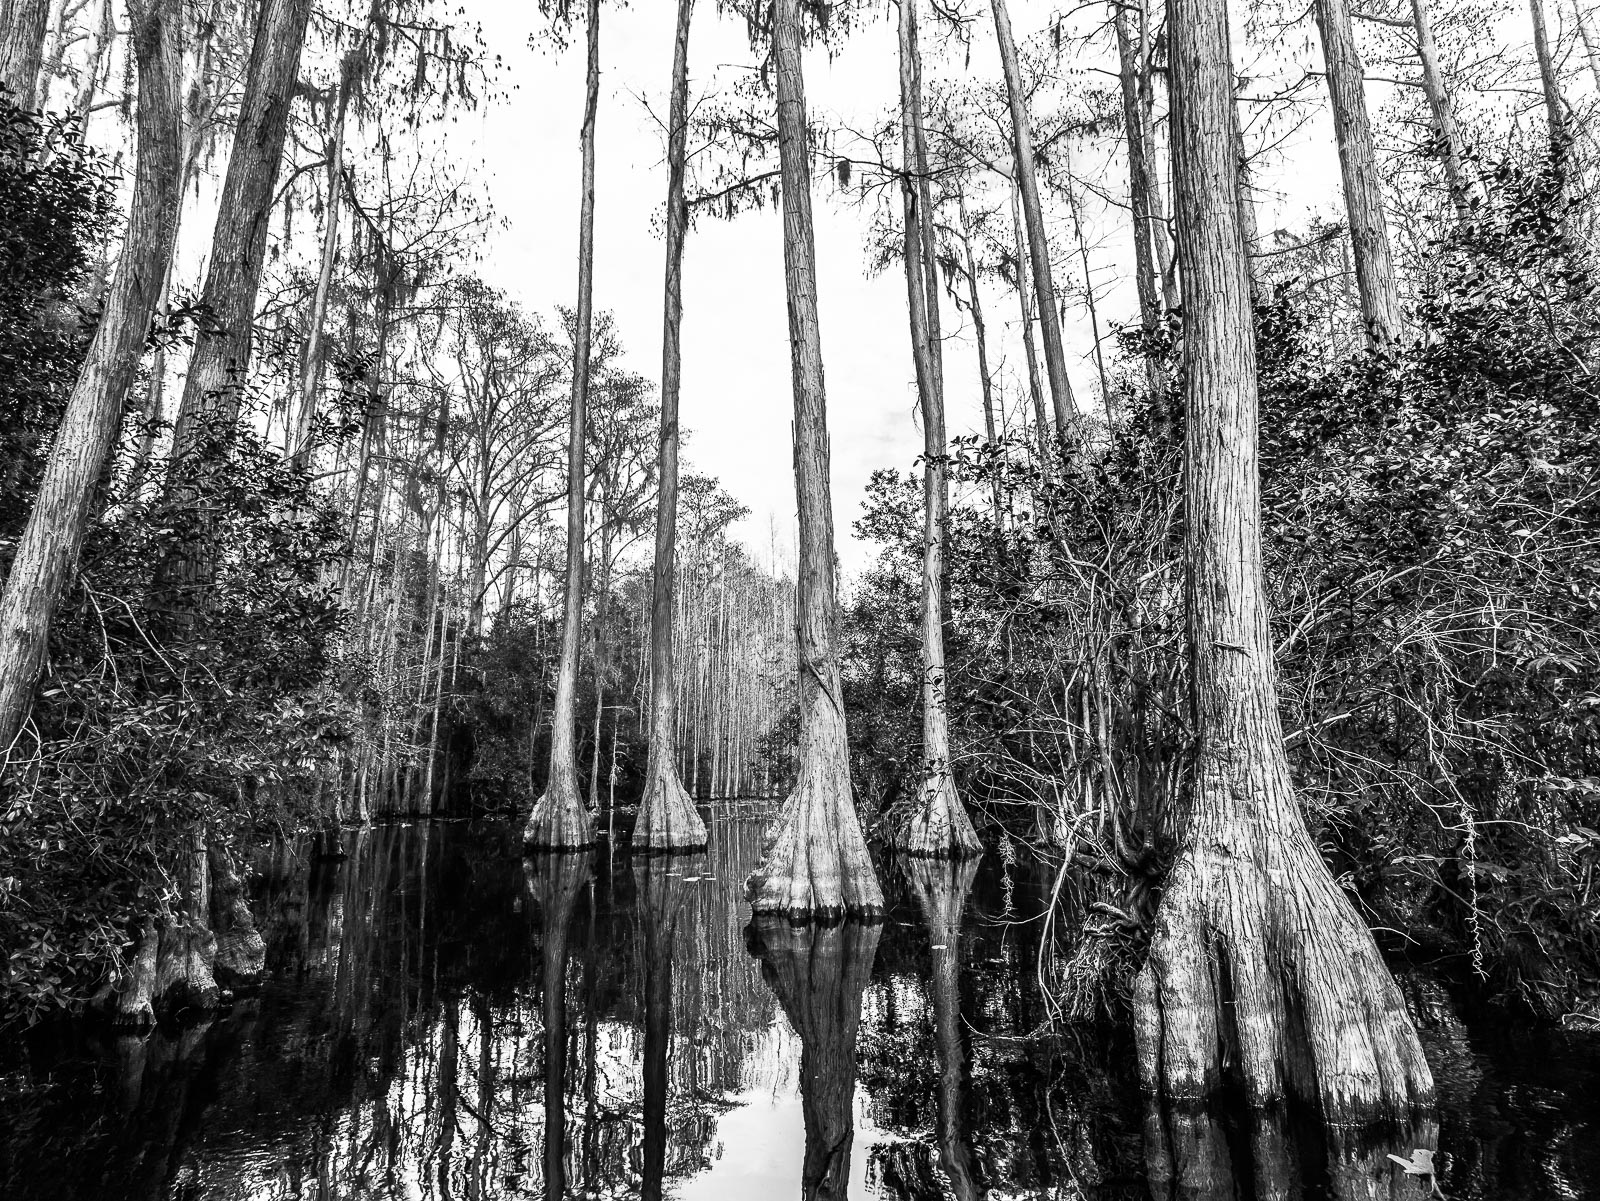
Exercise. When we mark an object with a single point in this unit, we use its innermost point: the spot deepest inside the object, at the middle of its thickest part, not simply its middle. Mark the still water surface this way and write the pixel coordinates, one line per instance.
(445, 1020)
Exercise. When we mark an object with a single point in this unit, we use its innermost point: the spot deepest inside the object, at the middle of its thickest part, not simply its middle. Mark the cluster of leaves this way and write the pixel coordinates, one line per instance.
(1428, 518)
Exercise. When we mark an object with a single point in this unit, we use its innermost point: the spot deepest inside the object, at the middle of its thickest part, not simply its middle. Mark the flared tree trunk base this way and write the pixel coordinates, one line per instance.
(241, 958)
(133, 1003)
(668, 819)
(185, 979)
(816, 866)
(1262, 975)
(940, 827)
(559, 821)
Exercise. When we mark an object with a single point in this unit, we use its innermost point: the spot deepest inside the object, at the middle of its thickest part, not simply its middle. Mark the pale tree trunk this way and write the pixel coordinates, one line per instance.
(559, 819)
(818, 974)
(100, 43)
(1055, 357)
(939, 825)
(1363, 199)
(1245, 195)
(941, 890)
(1555, 110)
(667, 816)
(1260, 972)
(1141, 176)
(1591, 46)
(1462, 189)
(1041, 421)
(220, 361)
(59, 519)
(816, 864)
(23, 24)
(601, 656)
(310, 377)
(985, 379)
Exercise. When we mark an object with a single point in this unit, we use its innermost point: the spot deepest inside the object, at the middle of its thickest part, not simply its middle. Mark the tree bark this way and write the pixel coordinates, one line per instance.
(23, 24)
(1141, 176)
(667, 818)
(818, 974)
(1462, 189)
(1591, 46)
(1259, 966)
(310, 376)
(1555, 110)
(559, 819)
(985, 378)
(54, 533)
(939, 825)
(1041, 422)
(1066, 408)
(816, 865)
(220, 361)
(1363, 198)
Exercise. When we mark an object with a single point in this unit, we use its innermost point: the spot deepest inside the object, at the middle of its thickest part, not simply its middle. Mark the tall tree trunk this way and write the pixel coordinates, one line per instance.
(23, 24)
(816, 864)
(1160, 232)
(1055, 358)
(985, 379)
(601, 657)
(1461, 188)
(1591, 45)
(1555, 110)
(667, 816)
(939, 825)
(559, 819)
(1041, 422)
(218, 366)
(310, 375)
(1244, 188)
(1363, 199)
(60, 516)
(220, 362)
(1259, 966)
(1141, 177)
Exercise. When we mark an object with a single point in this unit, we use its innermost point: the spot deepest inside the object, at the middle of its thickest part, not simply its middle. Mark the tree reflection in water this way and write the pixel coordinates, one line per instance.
(659, 888)
(1198, 1156)
(818, 973)
(429, 991)
(554, 883)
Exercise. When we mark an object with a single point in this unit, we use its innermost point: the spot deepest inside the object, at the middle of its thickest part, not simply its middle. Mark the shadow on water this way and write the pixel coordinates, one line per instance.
(448, 1021)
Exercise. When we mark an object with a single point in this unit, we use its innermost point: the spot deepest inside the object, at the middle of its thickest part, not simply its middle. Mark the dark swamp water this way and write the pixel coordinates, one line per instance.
(444, 1020)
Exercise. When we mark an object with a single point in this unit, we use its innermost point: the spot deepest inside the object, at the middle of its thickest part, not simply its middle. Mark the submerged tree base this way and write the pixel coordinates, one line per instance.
(815, 866)
(559, 820)
(668, 819)
(1262, 975)
(940, 827)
